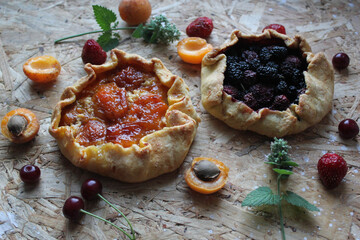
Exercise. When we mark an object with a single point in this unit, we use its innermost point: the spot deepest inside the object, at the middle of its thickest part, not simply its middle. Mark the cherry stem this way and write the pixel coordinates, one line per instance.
(103, 219)
(96, 31)
(116, 209)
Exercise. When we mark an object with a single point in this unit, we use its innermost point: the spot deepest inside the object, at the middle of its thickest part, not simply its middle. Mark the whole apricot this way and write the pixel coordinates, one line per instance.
(134, 12)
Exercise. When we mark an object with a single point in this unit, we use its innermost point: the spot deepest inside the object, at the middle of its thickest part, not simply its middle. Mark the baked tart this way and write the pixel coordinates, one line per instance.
(269, 83)
(130, 119)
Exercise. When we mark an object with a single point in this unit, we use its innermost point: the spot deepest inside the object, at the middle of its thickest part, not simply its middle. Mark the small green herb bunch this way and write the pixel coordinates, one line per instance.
(283, 167)
(159, 30)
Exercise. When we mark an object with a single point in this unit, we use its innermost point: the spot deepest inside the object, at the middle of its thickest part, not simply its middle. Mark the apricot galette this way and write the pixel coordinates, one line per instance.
(269, 83)
(129, 119)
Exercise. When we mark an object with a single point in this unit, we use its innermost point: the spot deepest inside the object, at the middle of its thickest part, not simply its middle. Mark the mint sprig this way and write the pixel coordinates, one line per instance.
(283, 165)
(159, 30)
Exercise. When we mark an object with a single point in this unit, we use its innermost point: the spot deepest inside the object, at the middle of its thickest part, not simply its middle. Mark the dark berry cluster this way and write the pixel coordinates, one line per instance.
(264, 75)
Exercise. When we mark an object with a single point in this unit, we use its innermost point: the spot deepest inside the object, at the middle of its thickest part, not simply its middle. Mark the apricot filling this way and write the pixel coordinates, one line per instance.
(122, 106)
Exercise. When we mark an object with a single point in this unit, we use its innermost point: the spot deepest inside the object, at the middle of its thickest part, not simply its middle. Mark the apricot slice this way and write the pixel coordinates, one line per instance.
(193, 49)
(111, 101)
(206, 175)
(20, 125)
(42, 69)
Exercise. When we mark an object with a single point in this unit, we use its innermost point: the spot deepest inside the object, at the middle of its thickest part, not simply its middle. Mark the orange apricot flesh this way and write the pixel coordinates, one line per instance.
(31, 127)
(206, 187)
(193, 49)
(42, 69)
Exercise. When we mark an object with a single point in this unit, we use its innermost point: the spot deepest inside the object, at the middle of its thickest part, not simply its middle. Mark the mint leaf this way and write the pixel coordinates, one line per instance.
(282, 171)
(261, 196)
(289, 163)
(138, 33)
(104, 17)
(297, 200)
(107, 42)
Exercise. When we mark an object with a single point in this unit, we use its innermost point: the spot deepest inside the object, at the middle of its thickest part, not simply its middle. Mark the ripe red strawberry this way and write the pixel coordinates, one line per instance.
(277, 27)
(93, 53)
(200, 27)
(332, 169)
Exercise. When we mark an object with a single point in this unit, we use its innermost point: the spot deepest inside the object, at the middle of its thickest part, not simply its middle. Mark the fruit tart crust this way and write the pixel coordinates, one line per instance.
(313, 105)
(157, 153)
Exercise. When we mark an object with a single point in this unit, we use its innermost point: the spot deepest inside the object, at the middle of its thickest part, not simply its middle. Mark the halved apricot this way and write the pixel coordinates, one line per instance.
(193, 49)
(206, 175)
(42, 69)
(20, 125)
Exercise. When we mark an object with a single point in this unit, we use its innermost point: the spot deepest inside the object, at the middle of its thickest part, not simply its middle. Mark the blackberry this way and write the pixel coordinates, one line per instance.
(249, 56)
(281, 103)
(282, 88)
(250, 101)
(273, 65)
(302, 83)
(263, 94)
(254, 64)
(296, 77)
(233, 73)
(243, 66)
(232, 59)
(293, 61)
(265, 55)
(278, 53)
(286, 69)
(249, 78)
(292, 93)
(267, 74)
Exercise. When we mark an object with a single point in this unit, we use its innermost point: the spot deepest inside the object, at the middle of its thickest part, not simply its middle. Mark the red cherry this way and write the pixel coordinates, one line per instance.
(340, 61)
(72, 207)
(30, 173)
(90, 189)
(277, 27)
(348, 128)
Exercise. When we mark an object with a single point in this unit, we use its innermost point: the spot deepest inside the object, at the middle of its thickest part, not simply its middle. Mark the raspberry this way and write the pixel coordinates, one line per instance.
(233, 92)
(332, 169)
(200, 27)
(293, 61)
(250, 101)
(249, 56)
(93, 53)
(281, 103)
(263, 94)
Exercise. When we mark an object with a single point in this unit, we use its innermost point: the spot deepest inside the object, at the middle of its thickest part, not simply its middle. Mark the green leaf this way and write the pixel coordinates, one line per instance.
(261, 196)
(282, 171)
(273, 163)
(104, 17)
(289, 163)
(107, 42)
(297, 200)
(138, 33)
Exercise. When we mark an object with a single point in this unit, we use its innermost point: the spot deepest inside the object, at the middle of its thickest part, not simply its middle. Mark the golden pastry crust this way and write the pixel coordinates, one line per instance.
(313, 105)
(157, 153)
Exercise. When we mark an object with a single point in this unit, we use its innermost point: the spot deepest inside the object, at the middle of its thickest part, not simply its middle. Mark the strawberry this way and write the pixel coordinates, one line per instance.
(277, 27)
(332, 169)
(200, 27)
(93, 53)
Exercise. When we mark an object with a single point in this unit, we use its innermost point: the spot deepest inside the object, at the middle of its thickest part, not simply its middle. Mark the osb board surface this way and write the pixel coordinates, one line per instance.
(165, 208)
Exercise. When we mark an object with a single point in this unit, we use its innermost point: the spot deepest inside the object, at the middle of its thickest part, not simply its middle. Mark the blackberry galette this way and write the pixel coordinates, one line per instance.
(269, 83)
